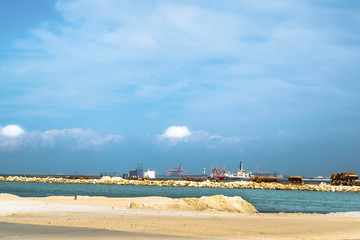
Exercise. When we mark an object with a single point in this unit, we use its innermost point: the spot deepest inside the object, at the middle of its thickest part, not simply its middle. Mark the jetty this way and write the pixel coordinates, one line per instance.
(322, 187)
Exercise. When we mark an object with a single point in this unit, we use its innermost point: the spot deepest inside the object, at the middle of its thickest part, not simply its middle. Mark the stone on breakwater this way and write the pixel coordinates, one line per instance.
(208, 184)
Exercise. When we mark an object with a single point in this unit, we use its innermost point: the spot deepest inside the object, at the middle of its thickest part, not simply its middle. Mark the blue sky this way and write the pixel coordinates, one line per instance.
(93, 86)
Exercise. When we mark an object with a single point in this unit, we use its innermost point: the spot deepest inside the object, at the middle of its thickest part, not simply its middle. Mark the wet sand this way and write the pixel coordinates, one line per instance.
(113, 218)
(31, 231)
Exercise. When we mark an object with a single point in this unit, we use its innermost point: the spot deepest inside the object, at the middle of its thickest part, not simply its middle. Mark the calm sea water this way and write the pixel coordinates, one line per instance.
(262, 200)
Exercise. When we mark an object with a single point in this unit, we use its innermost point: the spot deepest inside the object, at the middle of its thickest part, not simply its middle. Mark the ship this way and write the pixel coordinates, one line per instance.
(240, 174)
(222, 174)
(176, 171)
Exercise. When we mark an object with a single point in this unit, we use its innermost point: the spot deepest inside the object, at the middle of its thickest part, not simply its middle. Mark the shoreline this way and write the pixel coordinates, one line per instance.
(321, 187)
(116, 214)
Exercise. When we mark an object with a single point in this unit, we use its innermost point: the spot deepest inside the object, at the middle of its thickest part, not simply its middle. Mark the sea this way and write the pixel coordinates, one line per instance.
(265, 201)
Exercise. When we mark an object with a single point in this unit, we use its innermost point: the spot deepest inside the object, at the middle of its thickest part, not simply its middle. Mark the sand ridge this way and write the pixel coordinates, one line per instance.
(212, 203)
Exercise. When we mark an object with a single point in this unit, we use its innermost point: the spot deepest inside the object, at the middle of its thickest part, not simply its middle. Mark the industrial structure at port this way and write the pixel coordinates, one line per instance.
(176, 171)
(221, 174)
(217, 173)
(138, 173)
(257, 173)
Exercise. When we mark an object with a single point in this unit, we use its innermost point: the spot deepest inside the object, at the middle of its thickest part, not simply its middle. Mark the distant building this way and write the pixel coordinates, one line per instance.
(137, 173)
(150, 174)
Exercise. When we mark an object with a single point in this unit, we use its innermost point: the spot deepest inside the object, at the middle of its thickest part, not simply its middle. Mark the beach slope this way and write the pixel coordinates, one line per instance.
(215, 217)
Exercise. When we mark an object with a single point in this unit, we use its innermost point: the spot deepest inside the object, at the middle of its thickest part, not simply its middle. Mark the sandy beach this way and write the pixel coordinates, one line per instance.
(215, 217)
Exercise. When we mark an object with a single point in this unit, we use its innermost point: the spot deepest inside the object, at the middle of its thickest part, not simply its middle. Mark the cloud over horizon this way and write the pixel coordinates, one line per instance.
(174, 135)
(74, 139)
(11, 131)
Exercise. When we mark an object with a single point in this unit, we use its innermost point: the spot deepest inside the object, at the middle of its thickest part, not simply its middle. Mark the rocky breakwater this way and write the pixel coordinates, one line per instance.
(323, 187)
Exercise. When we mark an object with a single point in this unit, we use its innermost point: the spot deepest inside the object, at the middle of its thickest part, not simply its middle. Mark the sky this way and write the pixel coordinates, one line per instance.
(90, 86)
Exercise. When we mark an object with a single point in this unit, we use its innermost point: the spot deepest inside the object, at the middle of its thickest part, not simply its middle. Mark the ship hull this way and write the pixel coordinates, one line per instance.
(238, 178)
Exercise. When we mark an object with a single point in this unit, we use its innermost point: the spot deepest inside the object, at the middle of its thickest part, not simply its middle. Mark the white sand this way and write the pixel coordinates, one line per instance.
(216, 217)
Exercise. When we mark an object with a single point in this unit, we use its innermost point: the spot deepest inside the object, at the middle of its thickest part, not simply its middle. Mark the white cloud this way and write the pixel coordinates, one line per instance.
(176, 132)
(269, 56)
(125, 42)
(11, 131)
(71, 139)
(181, 134)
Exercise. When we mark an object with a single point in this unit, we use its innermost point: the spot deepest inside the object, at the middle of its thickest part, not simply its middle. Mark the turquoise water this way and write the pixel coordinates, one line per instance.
(263, 200)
